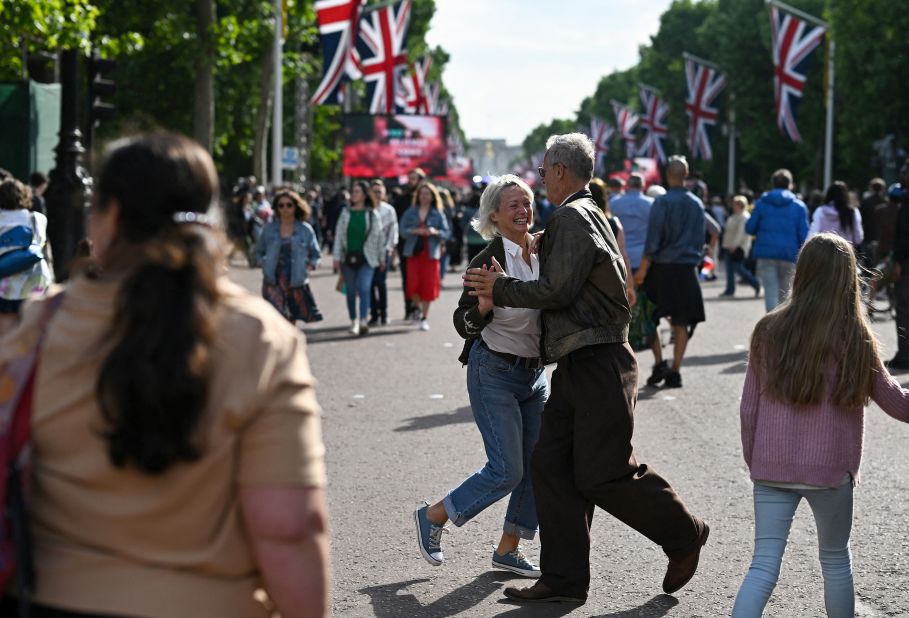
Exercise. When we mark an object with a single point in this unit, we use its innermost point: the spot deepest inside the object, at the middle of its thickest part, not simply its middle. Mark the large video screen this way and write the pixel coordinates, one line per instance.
(391, 146)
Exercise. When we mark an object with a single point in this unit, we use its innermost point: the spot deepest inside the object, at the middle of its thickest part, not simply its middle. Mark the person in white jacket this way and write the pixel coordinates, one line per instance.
(838, 216)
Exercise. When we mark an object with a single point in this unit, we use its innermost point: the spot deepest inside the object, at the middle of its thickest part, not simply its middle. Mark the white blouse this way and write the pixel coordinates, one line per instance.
(513, 330)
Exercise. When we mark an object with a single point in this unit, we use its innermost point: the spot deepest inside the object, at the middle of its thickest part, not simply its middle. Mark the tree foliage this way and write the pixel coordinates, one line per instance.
(872, 77)
(156, 48)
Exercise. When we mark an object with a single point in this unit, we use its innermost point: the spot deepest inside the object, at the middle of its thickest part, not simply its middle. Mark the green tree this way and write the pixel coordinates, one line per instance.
(872, 78)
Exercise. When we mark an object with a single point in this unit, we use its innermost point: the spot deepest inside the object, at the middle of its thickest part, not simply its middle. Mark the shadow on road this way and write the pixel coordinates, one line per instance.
(387, 601)
(713, 359)
(340, 333)
(656, 607)
(431, 421)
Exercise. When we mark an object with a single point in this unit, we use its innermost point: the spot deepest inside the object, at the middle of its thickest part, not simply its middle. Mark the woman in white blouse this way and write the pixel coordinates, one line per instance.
(507, 384)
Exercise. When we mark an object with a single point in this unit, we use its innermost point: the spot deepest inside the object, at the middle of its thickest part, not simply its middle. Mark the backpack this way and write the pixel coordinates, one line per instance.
(19, 249)
(16, 396)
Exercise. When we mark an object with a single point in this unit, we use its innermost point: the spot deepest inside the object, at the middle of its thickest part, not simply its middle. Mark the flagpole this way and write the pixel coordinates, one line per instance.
(828, 142)
(730, 181)
(277, 122)
(706, 63)
(791, 9)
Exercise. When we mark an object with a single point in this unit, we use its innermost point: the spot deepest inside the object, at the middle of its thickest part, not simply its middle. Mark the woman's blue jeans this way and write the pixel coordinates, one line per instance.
(507, 403)
(774, 508)
(359, 283)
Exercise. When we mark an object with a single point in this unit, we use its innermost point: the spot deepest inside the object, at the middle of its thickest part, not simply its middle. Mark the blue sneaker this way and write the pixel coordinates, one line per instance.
(429, 536)
(516, 562)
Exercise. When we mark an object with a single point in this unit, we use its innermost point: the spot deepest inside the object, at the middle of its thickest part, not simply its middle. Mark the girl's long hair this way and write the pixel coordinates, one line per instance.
(821, 326)
(838, 196)
(153, 386)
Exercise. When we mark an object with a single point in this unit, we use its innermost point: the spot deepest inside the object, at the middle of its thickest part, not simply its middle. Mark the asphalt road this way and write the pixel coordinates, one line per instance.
(399, 429)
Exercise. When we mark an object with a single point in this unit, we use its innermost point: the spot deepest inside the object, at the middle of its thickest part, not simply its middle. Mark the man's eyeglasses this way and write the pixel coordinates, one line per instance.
(285, 205)
(541, 171)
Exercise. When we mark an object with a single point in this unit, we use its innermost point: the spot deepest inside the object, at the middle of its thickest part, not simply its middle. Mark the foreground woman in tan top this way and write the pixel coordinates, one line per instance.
(178, 462)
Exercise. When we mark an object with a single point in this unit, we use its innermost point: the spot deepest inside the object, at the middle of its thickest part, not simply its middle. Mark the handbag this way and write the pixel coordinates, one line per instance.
(19, 249)
(643, 328)
(15, 464)
(355, 259)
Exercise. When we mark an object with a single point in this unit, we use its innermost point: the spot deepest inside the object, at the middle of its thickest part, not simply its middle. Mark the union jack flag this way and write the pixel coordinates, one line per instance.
(600, 134)
(793, 41)
(383, 59)
(418, 98)
(704, 85)
(338, 23)
(626, 120)
(437, 105)
(653, 121)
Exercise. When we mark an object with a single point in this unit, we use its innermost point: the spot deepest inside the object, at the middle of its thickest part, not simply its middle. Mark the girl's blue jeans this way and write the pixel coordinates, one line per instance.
(507, 403)
(774, 508)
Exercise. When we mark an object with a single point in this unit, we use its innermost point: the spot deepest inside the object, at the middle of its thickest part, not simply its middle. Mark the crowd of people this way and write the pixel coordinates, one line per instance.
(146, 352)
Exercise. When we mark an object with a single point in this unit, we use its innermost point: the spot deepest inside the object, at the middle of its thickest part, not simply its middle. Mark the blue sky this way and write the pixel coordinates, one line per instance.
(519, 63)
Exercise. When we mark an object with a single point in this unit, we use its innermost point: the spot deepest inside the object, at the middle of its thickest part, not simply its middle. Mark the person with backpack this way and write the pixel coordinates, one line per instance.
(802, 419)
(170, 481)
(24, 271)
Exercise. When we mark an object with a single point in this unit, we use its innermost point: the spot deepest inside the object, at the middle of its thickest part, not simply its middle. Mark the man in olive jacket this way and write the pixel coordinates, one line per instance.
(584, 457)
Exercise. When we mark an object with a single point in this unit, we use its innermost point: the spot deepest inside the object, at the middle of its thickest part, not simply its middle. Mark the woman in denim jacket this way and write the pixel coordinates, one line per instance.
(287, 249)
(424, 229)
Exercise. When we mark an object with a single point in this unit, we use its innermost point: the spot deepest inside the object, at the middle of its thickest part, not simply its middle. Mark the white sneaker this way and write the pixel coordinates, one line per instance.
(424, 325)
(355, 327)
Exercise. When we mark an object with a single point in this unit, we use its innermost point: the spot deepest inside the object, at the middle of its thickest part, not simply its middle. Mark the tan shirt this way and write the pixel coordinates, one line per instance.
(113, 540)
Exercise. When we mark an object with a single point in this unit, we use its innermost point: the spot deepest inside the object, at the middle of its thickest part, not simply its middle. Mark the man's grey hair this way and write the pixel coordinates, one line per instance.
(489, 203)
(635, 181)
(573, 150)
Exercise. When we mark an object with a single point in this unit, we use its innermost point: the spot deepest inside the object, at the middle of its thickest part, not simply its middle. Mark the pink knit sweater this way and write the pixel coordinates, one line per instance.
(815, 445)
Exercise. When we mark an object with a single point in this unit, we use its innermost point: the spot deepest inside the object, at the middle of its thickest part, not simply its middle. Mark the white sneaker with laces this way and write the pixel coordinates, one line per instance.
(355, 327)
(424, 325)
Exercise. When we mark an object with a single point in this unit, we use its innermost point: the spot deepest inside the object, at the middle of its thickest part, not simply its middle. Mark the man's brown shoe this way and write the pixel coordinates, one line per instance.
(541, 593)
(682, 568)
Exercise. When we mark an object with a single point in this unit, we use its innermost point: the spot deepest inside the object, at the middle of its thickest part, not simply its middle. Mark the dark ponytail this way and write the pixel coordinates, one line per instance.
(153, 386)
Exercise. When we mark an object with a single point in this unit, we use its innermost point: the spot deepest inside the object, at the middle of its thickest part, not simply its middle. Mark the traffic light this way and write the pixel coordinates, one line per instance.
(100, 87)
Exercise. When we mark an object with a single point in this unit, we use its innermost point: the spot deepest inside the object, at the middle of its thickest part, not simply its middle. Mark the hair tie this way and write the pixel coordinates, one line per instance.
(192, 217)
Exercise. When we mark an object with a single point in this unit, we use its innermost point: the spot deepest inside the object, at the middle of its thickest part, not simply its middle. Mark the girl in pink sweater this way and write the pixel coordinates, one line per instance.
(814, 365)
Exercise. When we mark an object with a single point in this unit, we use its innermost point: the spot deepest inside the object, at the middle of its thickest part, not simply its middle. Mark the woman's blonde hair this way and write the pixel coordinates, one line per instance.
(436, 198)
(489, 204)
(822, 326)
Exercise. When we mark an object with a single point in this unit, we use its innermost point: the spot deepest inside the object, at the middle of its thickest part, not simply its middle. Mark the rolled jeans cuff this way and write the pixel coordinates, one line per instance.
(519, 531)
(459, 519)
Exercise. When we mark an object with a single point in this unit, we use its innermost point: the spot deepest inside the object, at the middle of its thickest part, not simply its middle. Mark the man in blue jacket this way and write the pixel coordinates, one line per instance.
(780, 223)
